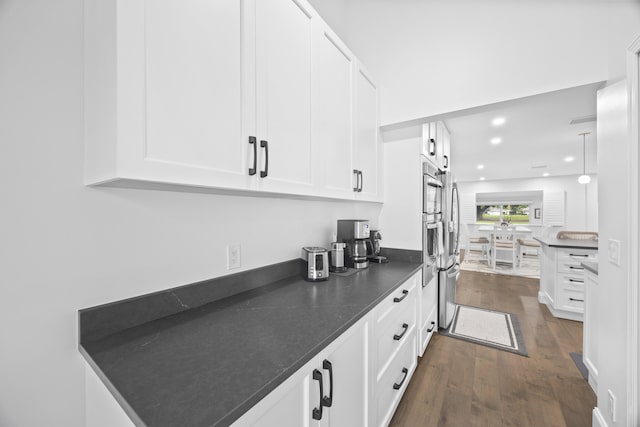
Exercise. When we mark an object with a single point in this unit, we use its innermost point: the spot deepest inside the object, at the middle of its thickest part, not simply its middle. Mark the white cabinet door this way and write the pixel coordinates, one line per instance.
(333, 66)
(284, 30)
(348, 357)
(288, 405)
(163, 99)
(366, 135)
(446, 149)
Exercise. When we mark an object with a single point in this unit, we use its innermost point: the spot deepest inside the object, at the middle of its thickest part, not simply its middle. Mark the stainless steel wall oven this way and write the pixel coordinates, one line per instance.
(431, 192)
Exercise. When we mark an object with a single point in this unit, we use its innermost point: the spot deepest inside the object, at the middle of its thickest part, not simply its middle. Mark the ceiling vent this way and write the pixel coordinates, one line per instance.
(583, 119)
(539, 167)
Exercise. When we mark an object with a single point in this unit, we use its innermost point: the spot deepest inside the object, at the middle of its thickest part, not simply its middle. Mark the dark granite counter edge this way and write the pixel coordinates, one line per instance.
(590, 266)
(398, 255)
(568, 243)
(131, 413)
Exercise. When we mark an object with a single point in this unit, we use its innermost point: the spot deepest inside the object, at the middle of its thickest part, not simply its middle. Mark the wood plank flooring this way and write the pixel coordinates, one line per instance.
(458, 383)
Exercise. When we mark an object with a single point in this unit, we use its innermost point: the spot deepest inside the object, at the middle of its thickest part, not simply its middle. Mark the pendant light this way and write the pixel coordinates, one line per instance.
(584, 178)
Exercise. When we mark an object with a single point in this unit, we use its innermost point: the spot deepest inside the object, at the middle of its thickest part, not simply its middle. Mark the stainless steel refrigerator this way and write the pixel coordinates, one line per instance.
(449, 268)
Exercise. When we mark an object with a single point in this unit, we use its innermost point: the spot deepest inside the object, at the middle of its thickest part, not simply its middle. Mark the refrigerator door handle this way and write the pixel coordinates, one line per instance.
(440, 239)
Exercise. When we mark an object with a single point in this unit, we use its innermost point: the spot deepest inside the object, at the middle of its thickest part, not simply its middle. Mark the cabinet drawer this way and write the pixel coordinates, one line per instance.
(427, 329)
(393, 383)
(569, 259)
(574, 282)
(400, 299)
(570, 266)
(570, 300)
(429, 299)
(393, 334)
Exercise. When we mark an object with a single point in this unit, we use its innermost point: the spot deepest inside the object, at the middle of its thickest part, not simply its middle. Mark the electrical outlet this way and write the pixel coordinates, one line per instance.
(613, 251)
(612, 405)
(233, 256)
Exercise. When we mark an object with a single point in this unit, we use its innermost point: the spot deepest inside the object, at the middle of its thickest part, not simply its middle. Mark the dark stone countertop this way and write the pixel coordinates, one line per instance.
(568, 243)
(590, 266)
(207, 366)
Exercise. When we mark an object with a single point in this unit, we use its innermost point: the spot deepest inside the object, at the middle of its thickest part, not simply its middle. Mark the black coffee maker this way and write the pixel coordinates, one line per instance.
(373, 247)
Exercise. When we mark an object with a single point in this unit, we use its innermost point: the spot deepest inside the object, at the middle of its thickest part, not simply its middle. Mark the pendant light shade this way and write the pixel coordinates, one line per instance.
(584, 178)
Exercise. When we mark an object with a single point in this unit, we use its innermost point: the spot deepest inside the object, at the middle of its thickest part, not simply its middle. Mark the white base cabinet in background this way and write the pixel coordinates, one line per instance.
(244, 95)
(562, 280)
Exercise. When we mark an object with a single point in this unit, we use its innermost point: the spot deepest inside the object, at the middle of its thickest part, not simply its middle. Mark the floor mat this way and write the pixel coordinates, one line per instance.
(487, 327)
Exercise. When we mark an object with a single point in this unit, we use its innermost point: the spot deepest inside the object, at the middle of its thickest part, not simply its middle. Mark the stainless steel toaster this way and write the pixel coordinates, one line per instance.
(315, 265)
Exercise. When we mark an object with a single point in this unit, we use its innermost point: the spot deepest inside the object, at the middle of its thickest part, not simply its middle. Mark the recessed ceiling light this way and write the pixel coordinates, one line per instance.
(480, 166)
(498, 121)
(569, 159)
(496, 140)
(482, 178)
(545, 174)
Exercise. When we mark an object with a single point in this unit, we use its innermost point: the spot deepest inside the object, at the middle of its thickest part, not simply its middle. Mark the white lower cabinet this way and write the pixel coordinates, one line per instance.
(428, 313)
(356, 381)
(395, 337)
(562, 280)
(363, 373)
(330, 390)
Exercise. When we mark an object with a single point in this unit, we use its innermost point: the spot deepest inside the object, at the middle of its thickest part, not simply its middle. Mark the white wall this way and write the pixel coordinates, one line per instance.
(65, 246)
(433, 57)
(613, 280)
(401, 217)
(581, 200)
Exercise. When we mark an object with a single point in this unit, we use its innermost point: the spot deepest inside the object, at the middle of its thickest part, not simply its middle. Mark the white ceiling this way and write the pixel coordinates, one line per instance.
(536, 132)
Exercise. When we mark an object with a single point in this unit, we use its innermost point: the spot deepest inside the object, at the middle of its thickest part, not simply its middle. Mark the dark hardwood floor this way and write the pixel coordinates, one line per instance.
(458, 383)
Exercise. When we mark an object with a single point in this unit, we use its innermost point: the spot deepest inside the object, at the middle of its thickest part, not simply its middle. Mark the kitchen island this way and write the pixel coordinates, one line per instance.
(203, 362)
(562, 275)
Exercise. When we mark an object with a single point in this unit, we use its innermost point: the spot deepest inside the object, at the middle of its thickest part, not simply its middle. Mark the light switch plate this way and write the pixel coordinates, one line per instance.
(613, 251)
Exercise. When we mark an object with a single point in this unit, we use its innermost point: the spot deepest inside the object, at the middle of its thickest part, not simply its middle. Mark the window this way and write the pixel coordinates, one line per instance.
(497, 213)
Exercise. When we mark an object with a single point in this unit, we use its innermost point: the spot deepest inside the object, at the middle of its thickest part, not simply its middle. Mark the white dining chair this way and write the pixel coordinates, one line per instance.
(476, 243)
(504, 247)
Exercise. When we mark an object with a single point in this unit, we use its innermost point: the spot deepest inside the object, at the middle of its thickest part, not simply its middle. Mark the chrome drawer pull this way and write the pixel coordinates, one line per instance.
(576, 281)
(575, 299)
(433, 326)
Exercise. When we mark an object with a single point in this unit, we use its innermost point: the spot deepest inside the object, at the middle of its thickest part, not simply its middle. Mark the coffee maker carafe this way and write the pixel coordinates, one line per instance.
(354, 233)
(373, 247)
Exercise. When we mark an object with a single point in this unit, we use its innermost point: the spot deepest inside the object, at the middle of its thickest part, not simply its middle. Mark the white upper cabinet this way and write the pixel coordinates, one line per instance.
(163, 85)
(366, 136)
(333, 66)
(436, 145)
(233, 94)
(284, 29)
